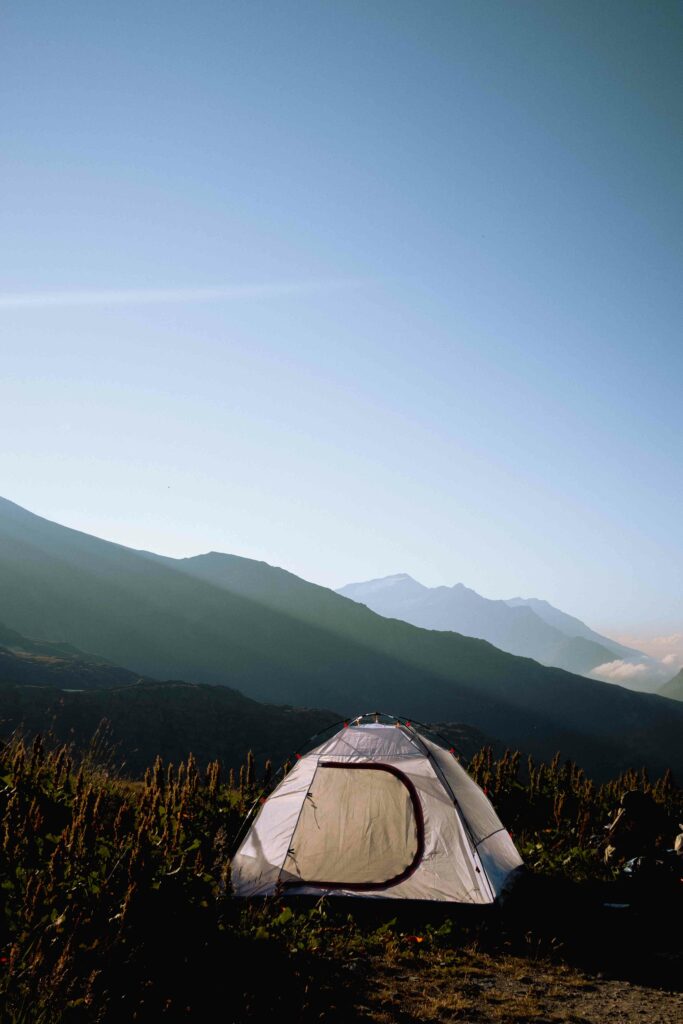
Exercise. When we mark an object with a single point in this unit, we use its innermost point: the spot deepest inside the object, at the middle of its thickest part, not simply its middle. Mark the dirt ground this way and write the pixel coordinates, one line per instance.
(477, 987)
(561, 955)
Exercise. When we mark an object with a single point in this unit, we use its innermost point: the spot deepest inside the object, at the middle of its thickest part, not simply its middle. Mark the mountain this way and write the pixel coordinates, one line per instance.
(55, 686)
(39, 692)
(171, 719)
(674, 688)
(526, 627)
(26, 662)
(571, 626)
(240, 576)
(223, 619)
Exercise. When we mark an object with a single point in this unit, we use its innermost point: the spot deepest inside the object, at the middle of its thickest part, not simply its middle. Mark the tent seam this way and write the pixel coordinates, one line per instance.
(296, 823)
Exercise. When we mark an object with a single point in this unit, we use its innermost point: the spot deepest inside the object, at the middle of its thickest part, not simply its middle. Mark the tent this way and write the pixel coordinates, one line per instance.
(379, 810)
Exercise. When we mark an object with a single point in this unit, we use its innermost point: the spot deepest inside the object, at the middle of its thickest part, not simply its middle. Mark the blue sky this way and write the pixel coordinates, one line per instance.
(354, 288)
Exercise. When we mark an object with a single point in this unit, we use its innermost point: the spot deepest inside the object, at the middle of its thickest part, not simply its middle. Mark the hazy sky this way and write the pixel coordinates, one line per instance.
(353, 287)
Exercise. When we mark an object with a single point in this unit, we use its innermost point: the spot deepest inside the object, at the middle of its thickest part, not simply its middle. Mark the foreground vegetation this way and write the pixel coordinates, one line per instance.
(117, 907)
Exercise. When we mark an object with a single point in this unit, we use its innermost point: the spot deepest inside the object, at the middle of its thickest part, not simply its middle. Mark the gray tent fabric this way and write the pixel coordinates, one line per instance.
(379, 811)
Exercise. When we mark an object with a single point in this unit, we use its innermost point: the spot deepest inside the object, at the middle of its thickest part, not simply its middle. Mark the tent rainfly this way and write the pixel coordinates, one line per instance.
(381, 811)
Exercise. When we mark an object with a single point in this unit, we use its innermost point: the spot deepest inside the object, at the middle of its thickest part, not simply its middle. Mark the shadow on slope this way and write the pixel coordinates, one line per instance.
(223, 619)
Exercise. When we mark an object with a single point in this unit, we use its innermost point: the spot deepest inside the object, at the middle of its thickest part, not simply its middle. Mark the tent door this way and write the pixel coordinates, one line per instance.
(361, 828)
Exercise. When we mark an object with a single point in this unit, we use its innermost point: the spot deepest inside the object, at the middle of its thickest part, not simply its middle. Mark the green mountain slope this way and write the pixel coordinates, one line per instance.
(229, 620)
(674, 688)
(41, 690)
(25, 662)
(170, 719)
(56, 687)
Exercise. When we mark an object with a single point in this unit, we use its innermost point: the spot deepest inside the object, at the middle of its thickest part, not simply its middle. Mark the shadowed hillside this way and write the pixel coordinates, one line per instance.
(56, 688)
(172, 719)
(223, 619)
(28, 662)
(674, 688)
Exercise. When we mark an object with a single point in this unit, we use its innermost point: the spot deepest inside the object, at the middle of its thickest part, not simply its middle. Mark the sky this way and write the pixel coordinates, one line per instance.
(355, 288)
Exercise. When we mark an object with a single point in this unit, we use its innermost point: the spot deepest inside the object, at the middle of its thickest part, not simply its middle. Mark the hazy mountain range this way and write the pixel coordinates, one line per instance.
(218, 618)
(525, 626)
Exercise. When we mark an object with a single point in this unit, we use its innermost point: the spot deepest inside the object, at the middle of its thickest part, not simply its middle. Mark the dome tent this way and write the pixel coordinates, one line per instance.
(378, 810)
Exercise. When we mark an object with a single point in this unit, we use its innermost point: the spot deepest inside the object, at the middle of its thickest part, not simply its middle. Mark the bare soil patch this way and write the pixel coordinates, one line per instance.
(477, 987)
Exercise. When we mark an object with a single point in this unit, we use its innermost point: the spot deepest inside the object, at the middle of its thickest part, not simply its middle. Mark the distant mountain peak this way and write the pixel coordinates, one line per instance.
(530, 627)
(398, 580)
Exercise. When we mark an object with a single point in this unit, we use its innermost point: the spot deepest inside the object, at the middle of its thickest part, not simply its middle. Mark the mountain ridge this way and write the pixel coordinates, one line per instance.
(520, 626)
(224, 619)
(72, 695)
(571, 625)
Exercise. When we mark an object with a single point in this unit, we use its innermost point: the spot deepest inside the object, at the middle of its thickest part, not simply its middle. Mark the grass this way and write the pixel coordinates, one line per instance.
(116, 902)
